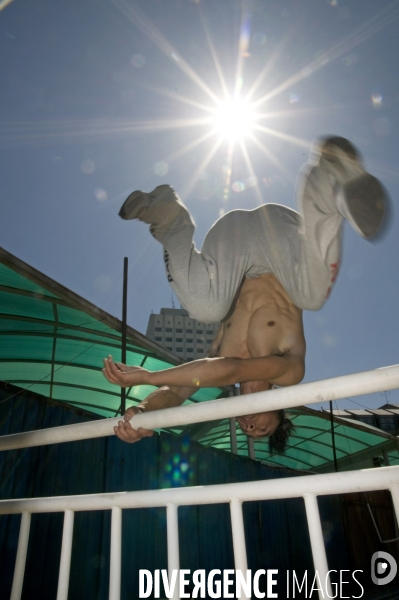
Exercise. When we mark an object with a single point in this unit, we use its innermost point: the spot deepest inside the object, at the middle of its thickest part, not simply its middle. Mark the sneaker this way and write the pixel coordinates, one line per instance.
(364, 201)
(136, 204)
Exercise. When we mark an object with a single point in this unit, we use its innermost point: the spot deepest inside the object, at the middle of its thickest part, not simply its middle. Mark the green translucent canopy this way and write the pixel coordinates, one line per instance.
(52, 342)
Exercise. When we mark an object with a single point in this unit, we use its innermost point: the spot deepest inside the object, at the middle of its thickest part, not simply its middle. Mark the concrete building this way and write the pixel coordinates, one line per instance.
(176, 331)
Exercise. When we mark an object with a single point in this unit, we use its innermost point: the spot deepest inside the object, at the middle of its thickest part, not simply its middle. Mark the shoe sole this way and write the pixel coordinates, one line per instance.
(138, 201)
(133, 204)
(367, 202)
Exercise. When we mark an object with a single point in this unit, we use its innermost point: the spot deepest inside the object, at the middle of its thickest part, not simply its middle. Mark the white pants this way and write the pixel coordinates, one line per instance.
(301, 249)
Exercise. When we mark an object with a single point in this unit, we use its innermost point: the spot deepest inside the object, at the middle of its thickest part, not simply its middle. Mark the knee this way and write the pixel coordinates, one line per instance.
(313, 302)
(208, 312)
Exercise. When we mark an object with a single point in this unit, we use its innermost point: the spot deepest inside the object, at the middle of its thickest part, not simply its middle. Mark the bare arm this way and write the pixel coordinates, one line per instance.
(164, 397)
(209, 372)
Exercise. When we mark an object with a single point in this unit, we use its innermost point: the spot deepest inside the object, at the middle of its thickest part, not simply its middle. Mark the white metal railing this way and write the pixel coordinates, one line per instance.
(378, 380)
(308, 487)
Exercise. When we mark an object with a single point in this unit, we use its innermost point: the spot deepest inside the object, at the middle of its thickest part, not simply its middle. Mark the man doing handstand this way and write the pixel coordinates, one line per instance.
(257, 270)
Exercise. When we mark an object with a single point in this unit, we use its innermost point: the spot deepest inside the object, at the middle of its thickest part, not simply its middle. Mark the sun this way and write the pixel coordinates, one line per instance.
(234, 119)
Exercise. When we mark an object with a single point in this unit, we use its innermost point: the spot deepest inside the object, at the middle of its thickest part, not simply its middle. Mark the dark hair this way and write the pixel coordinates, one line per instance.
(278, 439)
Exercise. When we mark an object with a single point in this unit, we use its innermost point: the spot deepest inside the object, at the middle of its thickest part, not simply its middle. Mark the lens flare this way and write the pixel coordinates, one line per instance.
(234, 119)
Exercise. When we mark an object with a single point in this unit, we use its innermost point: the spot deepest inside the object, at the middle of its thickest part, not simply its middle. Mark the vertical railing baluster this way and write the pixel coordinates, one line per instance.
(237, 528)
(317, 544)
(66, 551)
(173, 545)
(20, 562)
(395, 499)
(116, 554)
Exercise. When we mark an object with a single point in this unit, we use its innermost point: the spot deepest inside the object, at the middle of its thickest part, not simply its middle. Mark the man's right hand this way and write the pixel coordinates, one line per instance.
(125, 432)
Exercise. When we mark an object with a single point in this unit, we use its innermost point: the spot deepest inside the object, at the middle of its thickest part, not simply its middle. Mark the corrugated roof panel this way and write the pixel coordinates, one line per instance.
(22, 347)
(10, 278)
(14, 304)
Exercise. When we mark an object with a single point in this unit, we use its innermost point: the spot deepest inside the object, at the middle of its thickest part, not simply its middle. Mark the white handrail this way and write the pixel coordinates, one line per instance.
(367, 382)
(309, 487)
(321, 484)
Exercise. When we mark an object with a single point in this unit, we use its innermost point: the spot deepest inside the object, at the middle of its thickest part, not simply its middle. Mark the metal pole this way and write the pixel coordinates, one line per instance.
(251, 447)
(395, 499)
(20, 562)
(173, 545)
(239, 545)
(333, 438)
(66, 551)
(344, 482)
(317, 544)
(233, 429)
(124, 319)
(224, 408)
(233, 436)
(116, 554)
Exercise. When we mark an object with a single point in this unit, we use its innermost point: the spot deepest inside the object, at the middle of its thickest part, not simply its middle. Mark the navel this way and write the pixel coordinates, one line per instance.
(271, 323)
(228, 325)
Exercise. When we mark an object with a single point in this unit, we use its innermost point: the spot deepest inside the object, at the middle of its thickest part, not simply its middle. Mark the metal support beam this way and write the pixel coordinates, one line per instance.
(251, 447)
(239, 545)
(19, 570)
(116, 554)
(124, 326)
(223, 408)
(173, 545)
(317, 544)
(274, 489)
(66, 551)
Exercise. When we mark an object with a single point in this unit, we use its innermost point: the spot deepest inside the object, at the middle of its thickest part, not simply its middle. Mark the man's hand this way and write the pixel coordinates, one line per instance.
(125, 432)
(123, 375)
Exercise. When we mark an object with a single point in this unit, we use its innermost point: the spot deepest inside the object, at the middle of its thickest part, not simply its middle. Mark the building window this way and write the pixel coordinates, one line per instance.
(189, 330)
(179, 330)
(209, 332)
(169, 329)
(200, 351)
(179, 349)
(198, 331)
(199, 341)
(158, 328)
(158, 339)
(209, 342)
(190, 341)
(387, 423)
(367, 420)
(179, 339)
(167, 348)
(168, 339)
(190, 349)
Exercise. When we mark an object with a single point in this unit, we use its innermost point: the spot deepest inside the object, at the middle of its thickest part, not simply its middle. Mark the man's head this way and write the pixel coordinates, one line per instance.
(272, 424)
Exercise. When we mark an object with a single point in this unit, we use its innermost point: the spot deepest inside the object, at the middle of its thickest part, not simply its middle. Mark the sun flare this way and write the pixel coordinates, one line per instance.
(234, 119)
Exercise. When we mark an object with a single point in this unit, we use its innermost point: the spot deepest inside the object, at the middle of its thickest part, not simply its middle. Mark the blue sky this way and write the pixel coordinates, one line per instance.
(100, 97)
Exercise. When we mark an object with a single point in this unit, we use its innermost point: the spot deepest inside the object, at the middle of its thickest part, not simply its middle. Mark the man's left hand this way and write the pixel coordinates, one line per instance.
(123, 375)
(125, 432)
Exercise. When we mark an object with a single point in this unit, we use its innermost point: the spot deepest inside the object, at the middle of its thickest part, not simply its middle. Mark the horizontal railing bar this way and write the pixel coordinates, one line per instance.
(319, 485)
(378, 380)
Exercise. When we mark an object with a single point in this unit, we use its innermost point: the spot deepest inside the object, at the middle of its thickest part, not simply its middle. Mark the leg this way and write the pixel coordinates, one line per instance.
(205, 282)
(305, 253)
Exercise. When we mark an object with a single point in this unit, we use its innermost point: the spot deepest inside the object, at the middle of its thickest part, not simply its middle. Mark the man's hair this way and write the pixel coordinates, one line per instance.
(278, 439)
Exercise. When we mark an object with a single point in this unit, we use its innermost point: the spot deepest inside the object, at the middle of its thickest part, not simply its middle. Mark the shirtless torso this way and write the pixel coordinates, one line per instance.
(260, 343)
(263, 322)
